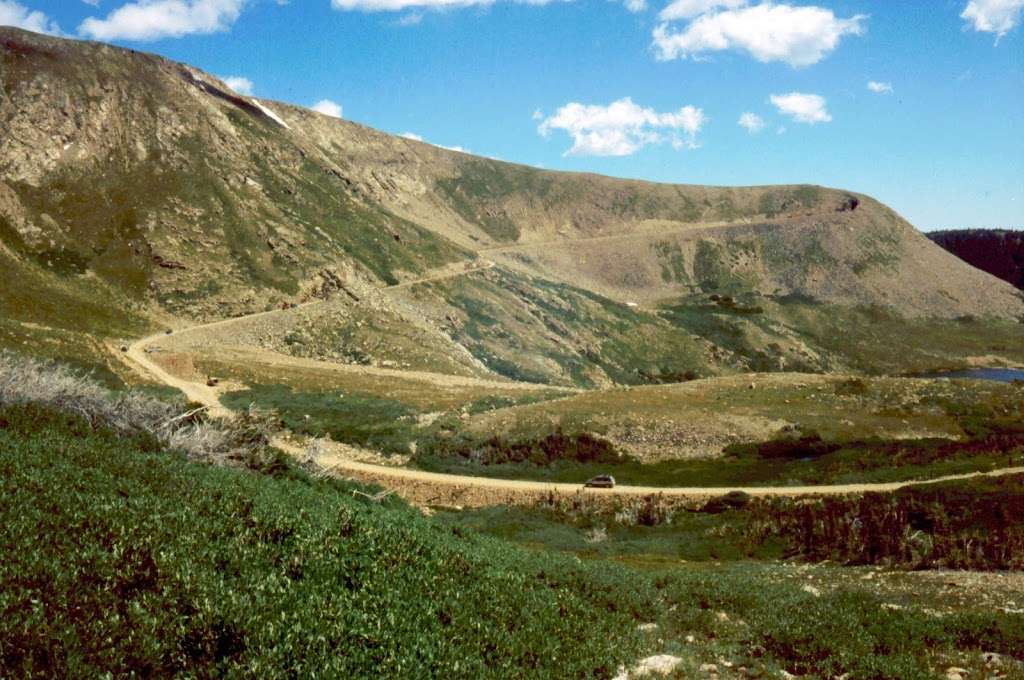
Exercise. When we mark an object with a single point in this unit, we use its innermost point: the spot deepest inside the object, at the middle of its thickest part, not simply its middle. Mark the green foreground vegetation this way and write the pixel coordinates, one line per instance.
(120, 558)
(124, 554)
(123, 557)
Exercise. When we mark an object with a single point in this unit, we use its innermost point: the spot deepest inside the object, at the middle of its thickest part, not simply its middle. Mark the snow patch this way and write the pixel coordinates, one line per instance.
(270, 114)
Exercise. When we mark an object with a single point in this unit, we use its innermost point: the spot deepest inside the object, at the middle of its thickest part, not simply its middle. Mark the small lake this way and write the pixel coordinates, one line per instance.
(997, 374)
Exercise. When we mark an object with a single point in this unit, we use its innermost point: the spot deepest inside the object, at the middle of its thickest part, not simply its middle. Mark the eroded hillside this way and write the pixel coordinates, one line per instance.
(137, 192)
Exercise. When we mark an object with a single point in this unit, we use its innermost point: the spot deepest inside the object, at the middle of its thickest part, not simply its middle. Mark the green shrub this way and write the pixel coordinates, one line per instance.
(351, 418)
(827, 634)
(960, 525)
(556, 447)
(120, 560)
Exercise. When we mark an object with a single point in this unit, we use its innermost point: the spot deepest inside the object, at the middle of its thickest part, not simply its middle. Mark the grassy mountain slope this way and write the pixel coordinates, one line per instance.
(152, 189)
(637, 241)
(162, 182)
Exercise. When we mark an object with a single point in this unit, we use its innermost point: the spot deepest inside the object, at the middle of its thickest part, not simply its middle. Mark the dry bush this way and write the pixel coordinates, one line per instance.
(241, 440)
(29, 381)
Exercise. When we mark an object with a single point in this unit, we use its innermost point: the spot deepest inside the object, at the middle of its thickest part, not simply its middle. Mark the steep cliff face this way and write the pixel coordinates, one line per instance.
(148, 189)
(998, 252)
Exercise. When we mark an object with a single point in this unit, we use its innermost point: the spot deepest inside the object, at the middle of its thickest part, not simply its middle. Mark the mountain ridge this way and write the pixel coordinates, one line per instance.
(129, 177)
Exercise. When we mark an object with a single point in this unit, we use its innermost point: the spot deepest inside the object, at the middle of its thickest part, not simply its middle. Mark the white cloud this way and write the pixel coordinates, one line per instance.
(687, 9)
(94, 3)
(537, 114)
(239, 84)
(622, 128)
(879, 88)
(411, 19)
(147, 20)
(399, 5)
(13, 14)
(993, 16)
(328, 108)
(751, 122)
(412, 135)
(636, 6)
(803, 108)
(798, 36)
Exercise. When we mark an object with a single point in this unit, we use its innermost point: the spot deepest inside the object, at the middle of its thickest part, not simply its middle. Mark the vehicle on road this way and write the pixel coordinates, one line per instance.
(600, 482)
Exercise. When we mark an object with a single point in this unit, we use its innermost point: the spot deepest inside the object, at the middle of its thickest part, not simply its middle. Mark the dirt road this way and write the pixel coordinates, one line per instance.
(432, 488)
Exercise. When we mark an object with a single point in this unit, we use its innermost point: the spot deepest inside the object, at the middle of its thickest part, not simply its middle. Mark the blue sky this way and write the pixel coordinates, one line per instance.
(651, 90)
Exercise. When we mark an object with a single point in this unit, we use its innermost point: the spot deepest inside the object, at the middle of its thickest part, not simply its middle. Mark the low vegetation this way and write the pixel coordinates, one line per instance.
(801, 461)
(818, 431)
(973, 524)
(124, 556)
(364, 420)
(399, 425)
(798, 333)
(554, 448)
(753, 617)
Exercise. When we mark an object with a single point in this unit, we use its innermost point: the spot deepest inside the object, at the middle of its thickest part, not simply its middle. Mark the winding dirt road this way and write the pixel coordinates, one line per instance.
(419, 486)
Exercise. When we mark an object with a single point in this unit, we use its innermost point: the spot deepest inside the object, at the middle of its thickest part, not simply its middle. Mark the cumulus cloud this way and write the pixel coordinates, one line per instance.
(622, 127)
(400, 5)
(239, 84)
(803, 108)
(636, 6)
(13, 14)
(328, 108)
(879, 88)
(993, 16)
(751, 122)
(147, 20)
(687, 9)
(798, 36)
(412, 135)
